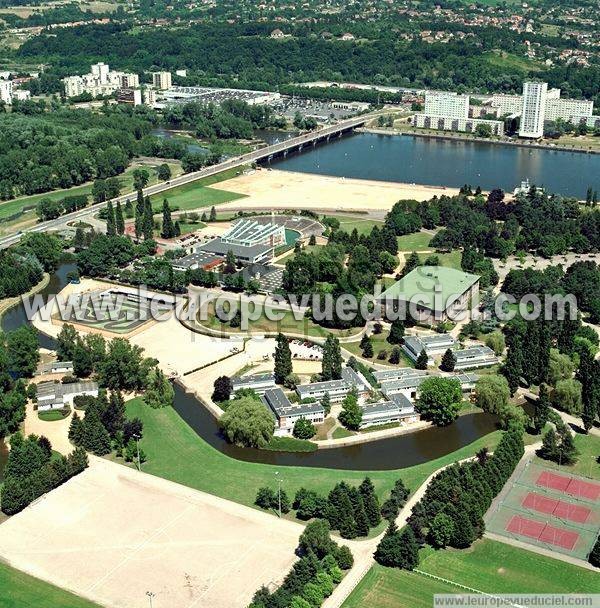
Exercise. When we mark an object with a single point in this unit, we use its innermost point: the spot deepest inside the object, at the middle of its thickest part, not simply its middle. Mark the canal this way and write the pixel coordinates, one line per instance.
(393, 453)
(437, 162)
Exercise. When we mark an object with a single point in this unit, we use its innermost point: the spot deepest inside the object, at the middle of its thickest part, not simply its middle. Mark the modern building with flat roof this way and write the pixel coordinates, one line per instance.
(431, 294)
(398, 409)
(337, 389)
(55, 396)
(248, 233)
(55, 367)
(533, 112)
(474, 357)
(408, 385)
(286, 413)
(434, 346)
(257, 382)
(254, 254)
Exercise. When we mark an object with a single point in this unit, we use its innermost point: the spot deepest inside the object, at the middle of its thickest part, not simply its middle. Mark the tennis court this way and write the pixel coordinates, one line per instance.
(547, 509)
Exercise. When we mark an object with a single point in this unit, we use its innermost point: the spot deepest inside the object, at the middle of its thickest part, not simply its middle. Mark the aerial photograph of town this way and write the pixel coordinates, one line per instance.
(299, 303)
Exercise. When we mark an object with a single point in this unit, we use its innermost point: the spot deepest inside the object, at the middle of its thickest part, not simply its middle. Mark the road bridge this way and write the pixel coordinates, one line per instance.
(267, 153)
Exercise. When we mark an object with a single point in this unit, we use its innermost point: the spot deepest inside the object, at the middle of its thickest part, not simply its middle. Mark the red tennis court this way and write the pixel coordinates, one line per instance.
(542, 532)
(558, 508)
(547, 479)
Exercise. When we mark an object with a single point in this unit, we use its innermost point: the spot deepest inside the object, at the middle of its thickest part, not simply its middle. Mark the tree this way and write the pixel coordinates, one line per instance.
(222, 389)
(113, 415)
(542, 409)
(315, 539)
(550, 448)
(594, 557)
(396, 335)
(332, 359)
(398, 549)
(439, 400)
(94, 437)
(75, 429)
(123, 367)
(168, 229)
(163, 172)
(366, 346)
(265, 498)
(464, 533)
(111, 228)
(448, 361)
(159, 390)
(213, 214)
(148, 220)
(492, 395)
(326, 403)
(283, 359)
(304, 429)
(230, 263)
(141, 177)
(119, 219)
(351, 414)
(412, 262)
(566, 396)
(247, 423)
(22, 349)
(139, 214)
(441, 530)
(66, 342)
(370, 502)
(422, 360)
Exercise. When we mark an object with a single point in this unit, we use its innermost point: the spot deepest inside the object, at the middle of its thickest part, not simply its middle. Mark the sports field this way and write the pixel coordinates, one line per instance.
(111, 534)
(549, 509)
(487, 566)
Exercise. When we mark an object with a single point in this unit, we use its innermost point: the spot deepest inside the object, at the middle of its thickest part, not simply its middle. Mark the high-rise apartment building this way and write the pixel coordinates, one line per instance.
(6, 91)
(161, 80)
(534, 109)
(447, 104)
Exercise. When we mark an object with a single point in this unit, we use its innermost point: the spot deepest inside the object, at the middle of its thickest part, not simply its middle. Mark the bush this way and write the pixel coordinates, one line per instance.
(304, 429)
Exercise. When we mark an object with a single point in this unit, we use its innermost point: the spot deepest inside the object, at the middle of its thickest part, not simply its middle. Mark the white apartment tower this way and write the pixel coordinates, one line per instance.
(161, 80)
(534, 109)
(100, 72)
(6, 91)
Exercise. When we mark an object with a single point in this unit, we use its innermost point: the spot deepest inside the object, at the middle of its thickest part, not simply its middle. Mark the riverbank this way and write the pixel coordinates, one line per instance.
(7, 303)
(468, 138)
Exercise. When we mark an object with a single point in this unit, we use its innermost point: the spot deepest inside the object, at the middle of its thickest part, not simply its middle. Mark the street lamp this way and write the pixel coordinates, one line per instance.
(279, 490)
(150, 596)
(139, 464)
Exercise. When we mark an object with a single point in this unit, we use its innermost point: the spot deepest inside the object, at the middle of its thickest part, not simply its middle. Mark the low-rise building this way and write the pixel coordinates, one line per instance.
(463, 125)
(407, 382)
(474, 357)
(396, 410)
(55, 367)
(55, 396)
(286, 413)
(434, 346)
(257, 382)
(337, 389)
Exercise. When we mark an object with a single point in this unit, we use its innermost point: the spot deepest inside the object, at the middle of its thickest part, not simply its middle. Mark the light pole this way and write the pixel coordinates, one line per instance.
(150, 596)
(278, 490)
(139, 464)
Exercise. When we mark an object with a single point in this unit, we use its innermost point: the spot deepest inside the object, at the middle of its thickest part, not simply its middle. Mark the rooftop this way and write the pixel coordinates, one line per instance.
(434, 287)
(218, 247)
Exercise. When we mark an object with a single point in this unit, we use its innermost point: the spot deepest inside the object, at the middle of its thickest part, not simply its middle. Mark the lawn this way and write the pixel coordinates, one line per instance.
(379, 342)
(197, 195)
(342, 433)
(19, 590)
(450, 260)
(586, 465)
(417, 241)
(306, 249)
(186, 227)
(363, 225)
(488, 566)
(176, 452)
(52, 415)
(288, 324)
(126, 180)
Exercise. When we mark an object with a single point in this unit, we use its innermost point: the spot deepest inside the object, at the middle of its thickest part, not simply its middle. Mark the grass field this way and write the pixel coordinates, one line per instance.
(417, 241)
(379, 342)
(451, 260)
(306, 249)
(363, 225)
(196, 195)
(587, 464)
(126, 180)
(488, 566)
(19, 590)
(176, 452)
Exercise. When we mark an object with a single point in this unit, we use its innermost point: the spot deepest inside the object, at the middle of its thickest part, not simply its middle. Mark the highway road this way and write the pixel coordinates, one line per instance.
(186, 178)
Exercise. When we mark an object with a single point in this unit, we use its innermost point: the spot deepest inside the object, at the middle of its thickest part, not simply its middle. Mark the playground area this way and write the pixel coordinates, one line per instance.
(549, 509)
(117, 311)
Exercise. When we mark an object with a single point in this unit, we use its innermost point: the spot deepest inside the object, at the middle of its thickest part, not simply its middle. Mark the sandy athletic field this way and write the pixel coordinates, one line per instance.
(111, 534)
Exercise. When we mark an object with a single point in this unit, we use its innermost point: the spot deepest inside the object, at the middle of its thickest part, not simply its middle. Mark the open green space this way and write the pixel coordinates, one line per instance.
(19, 590)
(449, 260)
(177, 453)
(587, 464)
(186, 227)
(52, 415)
(197, 195)
(488, 566)
(379, 342)
(287, 325)
(363, 225)
(511, 62)
(306, 249)
(9, 208)
(417, 241)
(342, 433)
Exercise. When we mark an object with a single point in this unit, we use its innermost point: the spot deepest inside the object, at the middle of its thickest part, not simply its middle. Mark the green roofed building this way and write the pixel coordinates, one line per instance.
(431, 294)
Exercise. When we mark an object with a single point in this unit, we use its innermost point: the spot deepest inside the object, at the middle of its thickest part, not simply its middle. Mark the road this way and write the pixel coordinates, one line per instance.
(231, 163)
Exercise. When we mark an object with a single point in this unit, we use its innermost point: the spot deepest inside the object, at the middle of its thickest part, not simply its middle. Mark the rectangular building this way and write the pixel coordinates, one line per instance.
(55, 396)
(55, 367)
(461, 125)
(286, 413)
(399, 410)
(6, 91)
(161, 80)
(257, 382)
(533, 112)
(337, 389)
(447, 104)
(434, 346)
(474, 357)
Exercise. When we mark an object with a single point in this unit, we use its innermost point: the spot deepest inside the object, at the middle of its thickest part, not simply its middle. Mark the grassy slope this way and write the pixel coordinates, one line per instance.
(417, 241)
(175, 452)
(489, 566)
(363, 225)
(19, 590)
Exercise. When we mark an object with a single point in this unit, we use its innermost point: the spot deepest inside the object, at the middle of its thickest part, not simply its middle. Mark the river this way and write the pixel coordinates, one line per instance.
(436, 162)
(393, 453)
